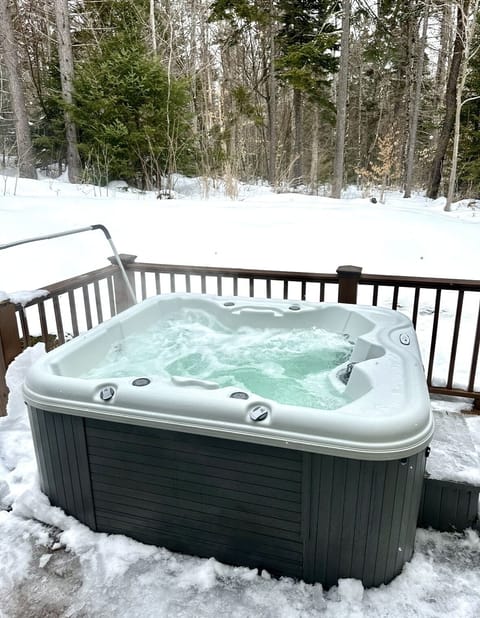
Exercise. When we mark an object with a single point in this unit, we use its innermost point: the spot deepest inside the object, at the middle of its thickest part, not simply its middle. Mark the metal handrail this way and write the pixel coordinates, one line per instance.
(89, 228)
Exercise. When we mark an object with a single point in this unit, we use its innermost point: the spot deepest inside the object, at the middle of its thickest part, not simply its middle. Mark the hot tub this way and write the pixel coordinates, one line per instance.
(222, 466)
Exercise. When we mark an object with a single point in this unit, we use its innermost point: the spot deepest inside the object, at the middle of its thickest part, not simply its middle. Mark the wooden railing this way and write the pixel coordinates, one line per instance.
(442, 310)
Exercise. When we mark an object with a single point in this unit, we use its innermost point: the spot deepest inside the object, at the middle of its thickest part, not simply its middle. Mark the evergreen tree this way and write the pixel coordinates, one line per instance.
(49, 132)
(124, 101)
(306, 41)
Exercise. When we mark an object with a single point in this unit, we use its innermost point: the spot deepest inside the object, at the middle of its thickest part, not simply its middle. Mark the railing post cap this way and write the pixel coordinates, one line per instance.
(349, 271)
(125, 258)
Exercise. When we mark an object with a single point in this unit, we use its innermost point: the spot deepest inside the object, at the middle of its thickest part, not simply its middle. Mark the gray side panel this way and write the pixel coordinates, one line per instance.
(239, 502)
(364, 516)
(315, 517)
(63, 463)
(448, 506)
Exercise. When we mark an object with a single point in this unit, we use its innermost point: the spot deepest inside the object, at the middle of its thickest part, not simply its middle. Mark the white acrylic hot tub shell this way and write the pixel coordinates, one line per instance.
(388, 417)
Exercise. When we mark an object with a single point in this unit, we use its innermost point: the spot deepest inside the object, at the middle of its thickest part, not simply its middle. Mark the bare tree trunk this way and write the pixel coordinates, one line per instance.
(272, 106)
(315, 152)
(450, 102)
(26, 161)
(444, 51)
(469, 33)
(342, 94)
(65, 56)
(412, 136)
(297, 166)
(153, 26)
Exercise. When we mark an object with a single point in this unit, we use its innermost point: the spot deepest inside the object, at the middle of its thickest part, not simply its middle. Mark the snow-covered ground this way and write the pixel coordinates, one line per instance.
(50, 565)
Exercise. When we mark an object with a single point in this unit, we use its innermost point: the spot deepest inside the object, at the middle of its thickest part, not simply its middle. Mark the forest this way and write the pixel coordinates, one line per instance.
(303, 95)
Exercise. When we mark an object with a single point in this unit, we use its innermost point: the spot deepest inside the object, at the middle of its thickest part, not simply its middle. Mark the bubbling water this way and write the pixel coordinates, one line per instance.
(290, 366)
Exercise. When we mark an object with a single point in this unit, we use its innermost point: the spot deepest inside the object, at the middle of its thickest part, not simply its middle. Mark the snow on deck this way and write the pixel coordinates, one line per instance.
(453, 455)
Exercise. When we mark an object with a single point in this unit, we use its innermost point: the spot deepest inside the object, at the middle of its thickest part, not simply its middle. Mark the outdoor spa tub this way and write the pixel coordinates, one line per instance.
(283, 436)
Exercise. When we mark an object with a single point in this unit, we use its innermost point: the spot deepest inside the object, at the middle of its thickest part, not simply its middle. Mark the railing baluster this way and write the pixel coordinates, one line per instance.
(43, 323)
(188, 286)
(235, 286)
(395, 297)
(219, 285)
(322, 292)
(375, 295)
(98, 302)
(416, 300)
(58, 319)
(303, 290)
(86, 304)
(143, 283)
(172, 282)
(285, 289)
(476, 348)
(456, 330)
(433, 341)
(73, 313)
(24, 326)
(111, 295)
(158, 288)
(269, 288)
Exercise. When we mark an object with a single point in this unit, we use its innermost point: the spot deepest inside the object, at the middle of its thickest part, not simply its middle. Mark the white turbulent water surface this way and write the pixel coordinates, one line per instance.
(290, 366)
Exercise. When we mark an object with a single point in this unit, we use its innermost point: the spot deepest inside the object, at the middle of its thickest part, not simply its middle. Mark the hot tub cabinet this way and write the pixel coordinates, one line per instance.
(313, 494)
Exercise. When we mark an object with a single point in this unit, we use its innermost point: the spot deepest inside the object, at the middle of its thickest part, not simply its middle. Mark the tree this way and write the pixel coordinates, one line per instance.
(124, 99)
(342, 94)
(415, 111)
(65, 57)
(468, 176)
(26, 162)
(450, 101)
(471, 22)
(306, 41)
(381, 83)
(251, 28)
(295, 42)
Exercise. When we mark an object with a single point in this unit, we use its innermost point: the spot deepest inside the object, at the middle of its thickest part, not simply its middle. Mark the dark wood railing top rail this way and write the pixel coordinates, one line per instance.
(467, 285)
(14, 322)
(470, 285)
(73, 283)
(246, 273)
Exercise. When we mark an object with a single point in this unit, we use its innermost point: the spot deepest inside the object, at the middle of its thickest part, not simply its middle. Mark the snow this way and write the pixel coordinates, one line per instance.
(23, 297)
(260, 230)
(50, 564)
(454, 456)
